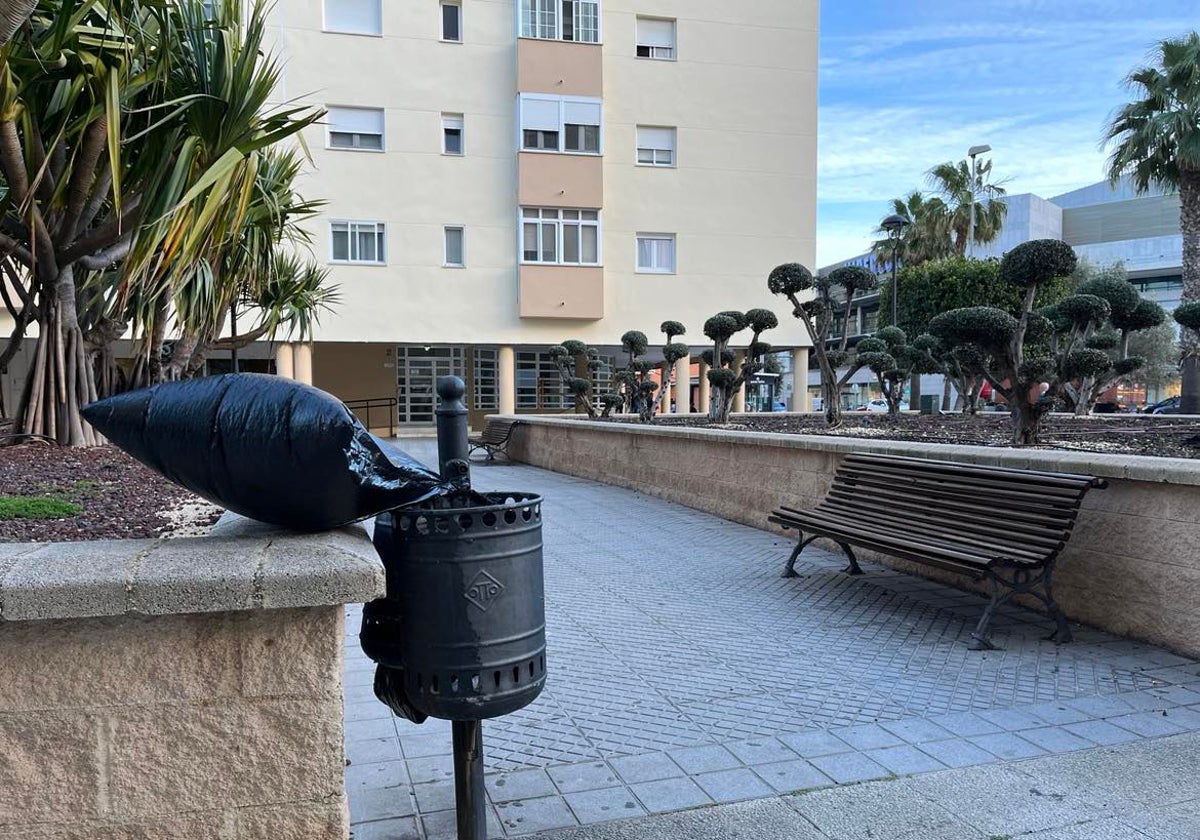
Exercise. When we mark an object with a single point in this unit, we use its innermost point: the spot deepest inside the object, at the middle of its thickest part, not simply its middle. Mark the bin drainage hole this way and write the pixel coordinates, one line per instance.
(489, 519)
(441, 526)
(422, 525)
(433, 684)
(476, 683)
(516, 675)
(510, 516)
(404, 523)
(542, 664)
(466, 521)
(526, 514)
(454, 685)
(497, 677)
(531, 670)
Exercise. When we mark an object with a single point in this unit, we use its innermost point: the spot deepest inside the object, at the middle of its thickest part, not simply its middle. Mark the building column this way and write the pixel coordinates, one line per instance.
(800, 401)
(506, 380)
(739, 396)
(284, 361)
(705, 395)
(683, 386)
(302, 361)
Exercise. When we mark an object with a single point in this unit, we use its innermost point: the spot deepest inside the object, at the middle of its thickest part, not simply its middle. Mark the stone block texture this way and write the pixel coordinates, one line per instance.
(1131, 567)
(221, 725)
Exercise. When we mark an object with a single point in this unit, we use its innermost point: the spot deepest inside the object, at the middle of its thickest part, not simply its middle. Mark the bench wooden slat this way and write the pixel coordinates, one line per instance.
(970, 529)
(981, 470)
(1007, 499)
(962, 485)
(975, 523)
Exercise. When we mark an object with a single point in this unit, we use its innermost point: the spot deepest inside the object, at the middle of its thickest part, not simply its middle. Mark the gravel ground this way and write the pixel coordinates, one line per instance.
(121, 499)
(1123, 434)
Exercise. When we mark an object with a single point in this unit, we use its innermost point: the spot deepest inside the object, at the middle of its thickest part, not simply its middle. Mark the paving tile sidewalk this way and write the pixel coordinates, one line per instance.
(684, 672)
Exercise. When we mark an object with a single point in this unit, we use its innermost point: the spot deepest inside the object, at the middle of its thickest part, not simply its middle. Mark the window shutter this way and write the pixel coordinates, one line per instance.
(356, 120)
(359, 16)
(581, 113)
(655, 33)
(539, 114)
(655, 138)
(452, 122)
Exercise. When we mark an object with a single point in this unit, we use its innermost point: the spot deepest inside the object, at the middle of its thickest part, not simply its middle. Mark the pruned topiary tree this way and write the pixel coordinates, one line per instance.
(1093, 329)
(833, 296)
(571, 358)
(641, 394)
(1028, 359)
(725, 375)
(893, 360)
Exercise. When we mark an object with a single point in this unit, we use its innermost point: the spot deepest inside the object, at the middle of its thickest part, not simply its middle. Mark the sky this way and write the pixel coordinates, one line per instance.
(907, 85)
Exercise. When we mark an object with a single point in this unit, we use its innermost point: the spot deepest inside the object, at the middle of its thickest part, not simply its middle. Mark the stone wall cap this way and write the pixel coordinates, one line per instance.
(1184, 471)
(240, 565)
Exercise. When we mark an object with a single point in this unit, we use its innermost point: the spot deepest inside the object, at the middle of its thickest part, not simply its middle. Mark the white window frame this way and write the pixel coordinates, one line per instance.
(560, 223)
(561, 103)
(352, 224)
(658, 52)
(442, 4)
(640, 269)
(462, 232)
(331, 129)
(325, 26)
(451, 121)
(655, 150)
(554, 30)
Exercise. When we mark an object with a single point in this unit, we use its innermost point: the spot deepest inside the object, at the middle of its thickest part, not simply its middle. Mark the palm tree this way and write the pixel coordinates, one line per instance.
(1158, 144)
(963, 192)
(925, 238)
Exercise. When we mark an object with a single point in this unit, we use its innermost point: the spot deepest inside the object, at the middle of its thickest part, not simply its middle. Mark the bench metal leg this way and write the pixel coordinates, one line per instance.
(853, 568)
(1021, 580)
(790, 570)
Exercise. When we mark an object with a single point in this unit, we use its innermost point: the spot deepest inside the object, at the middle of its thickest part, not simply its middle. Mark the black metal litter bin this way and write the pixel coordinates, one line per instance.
(461, 633)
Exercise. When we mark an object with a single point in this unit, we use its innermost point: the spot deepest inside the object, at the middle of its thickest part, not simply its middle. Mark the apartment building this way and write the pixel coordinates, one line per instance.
(501, 176)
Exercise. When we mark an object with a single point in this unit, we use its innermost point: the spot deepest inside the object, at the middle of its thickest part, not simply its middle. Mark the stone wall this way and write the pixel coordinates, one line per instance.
(182, 689)
(1132, 565)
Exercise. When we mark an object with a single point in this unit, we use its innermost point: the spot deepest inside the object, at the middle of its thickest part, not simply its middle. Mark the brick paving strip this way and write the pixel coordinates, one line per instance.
(684, 672)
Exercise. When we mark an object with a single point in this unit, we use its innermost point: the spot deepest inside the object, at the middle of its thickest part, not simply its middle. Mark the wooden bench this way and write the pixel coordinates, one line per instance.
(495, 438)
(1004, 525)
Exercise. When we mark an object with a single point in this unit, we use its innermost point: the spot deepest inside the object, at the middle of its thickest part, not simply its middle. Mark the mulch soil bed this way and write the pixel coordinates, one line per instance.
(1131, 434)
(119, 498)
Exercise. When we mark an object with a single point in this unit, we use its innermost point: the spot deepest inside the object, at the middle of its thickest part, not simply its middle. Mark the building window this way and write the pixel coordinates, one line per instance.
(539, 384)
(560, 124)
(454, 246)
(656, 253)
(566, 20)
(356, 17)
(655, 146)
(451, 22)
(484, 381)
(560, 237)
(360, 129)
(357, 242)
(452, 134)
(656, 38)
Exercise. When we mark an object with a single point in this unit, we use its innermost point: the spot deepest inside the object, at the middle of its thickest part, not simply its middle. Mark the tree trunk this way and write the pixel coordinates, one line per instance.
(914, 392)
(1189, 223)
(62, 378)
(1027, 419)
(946, 389)
(12, 16)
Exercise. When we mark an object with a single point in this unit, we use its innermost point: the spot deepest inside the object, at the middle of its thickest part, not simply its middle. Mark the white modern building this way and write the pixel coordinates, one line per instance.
(502, 176)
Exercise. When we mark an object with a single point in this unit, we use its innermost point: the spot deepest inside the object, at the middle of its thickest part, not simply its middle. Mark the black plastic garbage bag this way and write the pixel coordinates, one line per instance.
(266, 447)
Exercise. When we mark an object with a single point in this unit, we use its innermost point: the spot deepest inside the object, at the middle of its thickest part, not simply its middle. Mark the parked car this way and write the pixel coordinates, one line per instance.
(1168, 406)
(879, 404)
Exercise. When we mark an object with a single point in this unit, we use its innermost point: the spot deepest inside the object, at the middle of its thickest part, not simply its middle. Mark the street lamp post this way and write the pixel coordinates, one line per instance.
(972, 153)
(894, 225)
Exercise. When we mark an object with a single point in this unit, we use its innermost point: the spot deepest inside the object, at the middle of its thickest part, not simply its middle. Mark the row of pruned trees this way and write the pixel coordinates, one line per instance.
(147, 190)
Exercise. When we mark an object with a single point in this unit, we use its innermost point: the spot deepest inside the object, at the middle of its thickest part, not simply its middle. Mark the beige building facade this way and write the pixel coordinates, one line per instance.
(503, 175)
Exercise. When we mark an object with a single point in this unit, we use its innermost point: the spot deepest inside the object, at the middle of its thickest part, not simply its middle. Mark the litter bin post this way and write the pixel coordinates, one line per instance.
(929, 403)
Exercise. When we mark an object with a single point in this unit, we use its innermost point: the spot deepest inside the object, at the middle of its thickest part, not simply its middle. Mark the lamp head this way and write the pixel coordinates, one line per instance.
(978, 150)
(894, 224)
